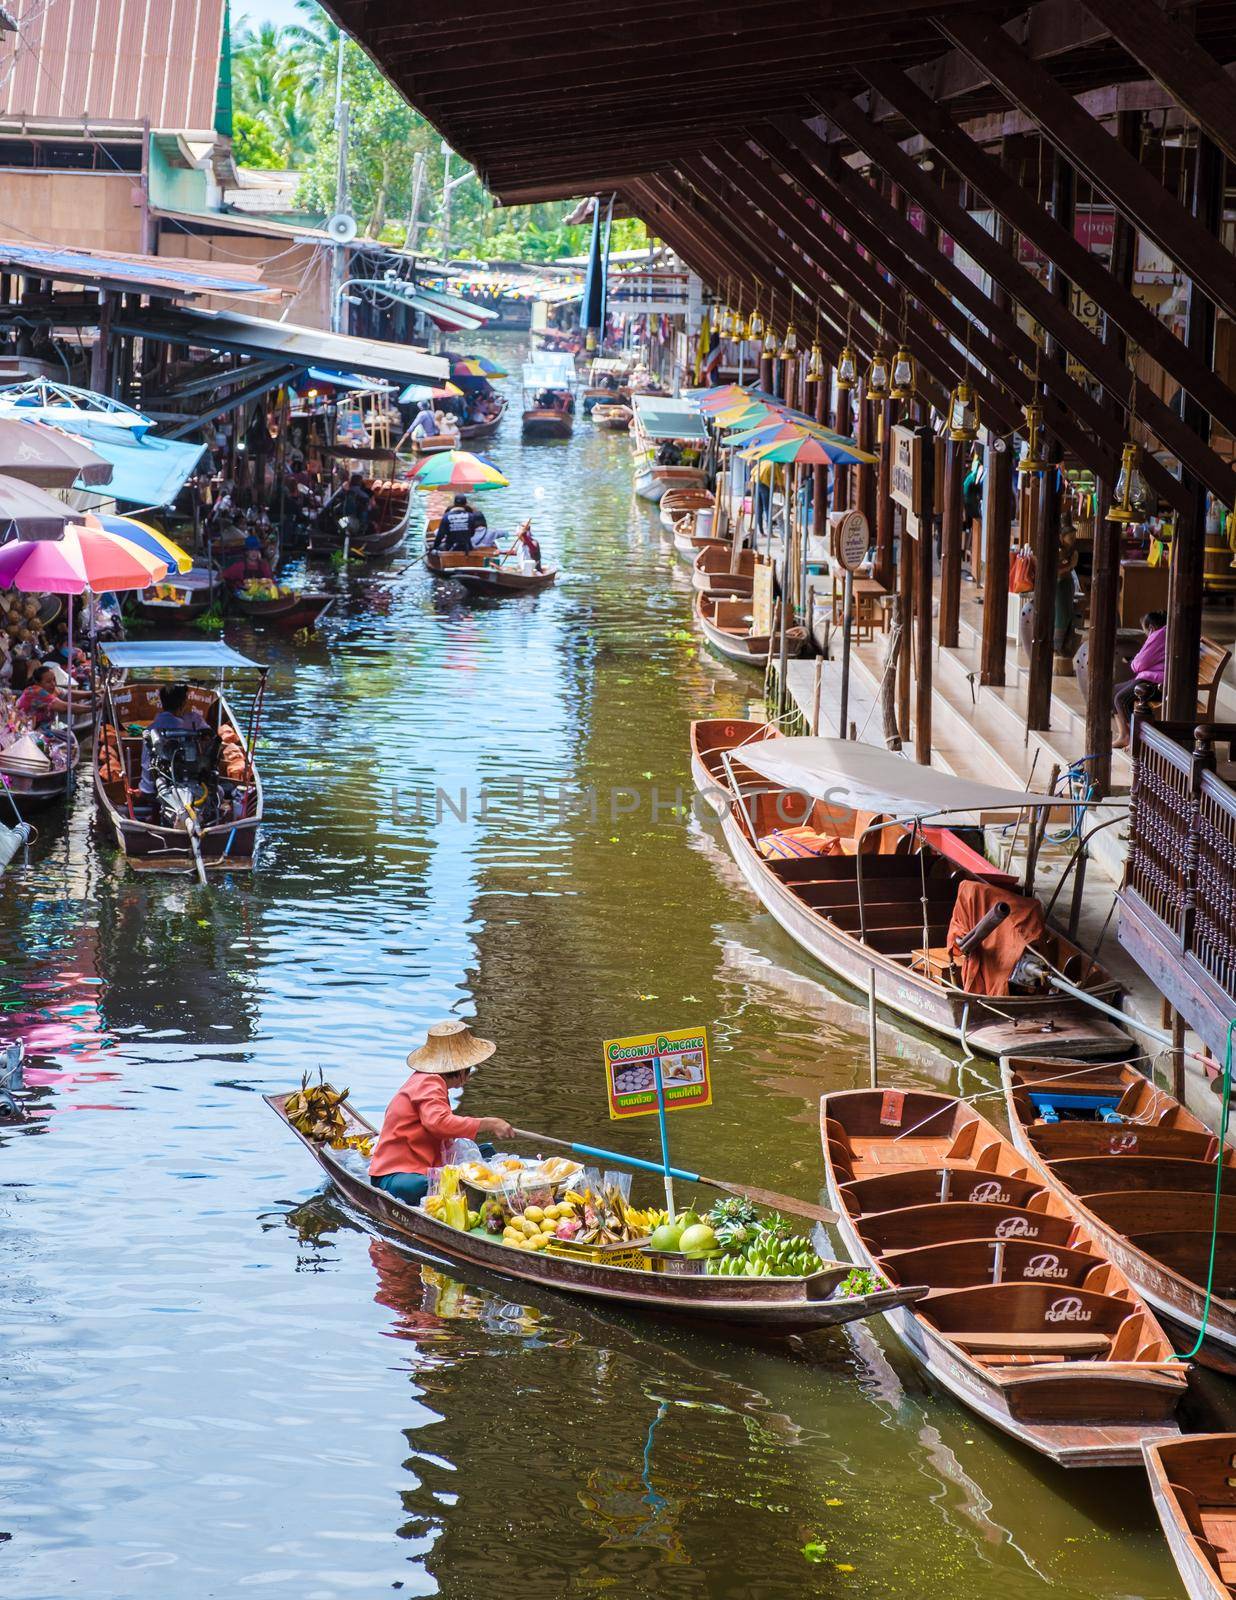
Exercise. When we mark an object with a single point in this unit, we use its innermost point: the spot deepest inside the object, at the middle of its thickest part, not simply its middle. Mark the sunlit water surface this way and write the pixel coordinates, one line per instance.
(213, 1381)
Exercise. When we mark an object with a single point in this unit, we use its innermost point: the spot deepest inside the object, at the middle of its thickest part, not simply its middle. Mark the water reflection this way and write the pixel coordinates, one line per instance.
(217, 1382)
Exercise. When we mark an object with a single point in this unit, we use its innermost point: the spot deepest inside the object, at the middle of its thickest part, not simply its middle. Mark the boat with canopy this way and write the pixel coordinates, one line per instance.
(670, 440)
(834, 837)
(203, 805)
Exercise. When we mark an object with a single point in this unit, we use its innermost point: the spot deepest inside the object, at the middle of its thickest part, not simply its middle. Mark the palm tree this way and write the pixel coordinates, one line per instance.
(263, 72)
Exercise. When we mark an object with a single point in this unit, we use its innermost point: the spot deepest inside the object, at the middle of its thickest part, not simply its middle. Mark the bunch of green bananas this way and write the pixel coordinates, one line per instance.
(767, 1256)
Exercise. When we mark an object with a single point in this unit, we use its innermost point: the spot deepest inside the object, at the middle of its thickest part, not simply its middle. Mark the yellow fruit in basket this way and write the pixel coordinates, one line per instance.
(538, 1243)
(527, 1227)
(534, 1213)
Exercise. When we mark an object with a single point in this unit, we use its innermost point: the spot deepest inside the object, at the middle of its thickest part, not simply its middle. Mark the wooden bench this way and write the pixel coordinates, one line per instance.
(1031, 1344)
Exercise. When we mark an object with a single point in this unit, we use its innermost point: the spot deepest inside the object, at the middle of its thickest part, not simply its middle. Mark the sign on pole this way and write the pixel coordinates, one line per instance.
(905, 484)
(658, 1072)
(851, 536)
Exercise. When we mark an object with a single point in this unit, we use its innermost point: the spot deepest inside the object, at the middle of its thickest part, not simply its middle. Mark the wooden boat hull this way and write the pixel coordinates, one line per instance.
(548, 425)
(748, 649)
(35, 792)
(469, 431)
(1178, 1299)
(288, 613)
(652, 482)
(612, 419)
(1202, 1467)
(763, 1306)
(1077, 1412)
(495, 582)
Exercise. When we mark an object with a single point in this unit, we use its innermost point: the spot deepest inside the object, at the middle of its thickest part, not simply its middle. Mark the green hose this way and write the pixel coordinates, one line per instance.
(1214, 1221)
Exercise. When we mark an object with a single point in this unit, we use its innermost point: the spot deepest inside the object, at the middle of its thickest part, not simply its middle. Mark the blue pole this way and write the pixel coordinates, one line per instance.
(634, 1161)
(665, 1160)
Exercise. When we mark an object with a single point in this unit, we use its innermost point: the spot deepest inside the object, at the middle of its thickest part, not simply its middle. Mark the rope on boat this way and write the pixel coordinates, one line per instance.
(1214, 1219)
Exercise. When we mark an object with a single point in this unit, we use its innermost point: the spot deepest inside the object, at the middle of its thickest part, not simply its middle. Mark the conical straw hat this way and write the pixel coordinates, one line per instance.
(450, 1047)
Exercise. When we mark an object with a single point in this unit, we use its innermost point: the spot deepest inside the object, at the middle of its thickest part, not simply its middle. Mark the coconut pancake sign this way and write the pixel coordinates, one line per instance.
(631, 1068)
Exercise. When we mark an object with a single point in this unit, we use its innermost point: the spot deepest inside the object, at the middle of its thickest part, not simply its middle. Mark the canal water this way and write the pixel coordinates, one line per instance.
(213, 1381)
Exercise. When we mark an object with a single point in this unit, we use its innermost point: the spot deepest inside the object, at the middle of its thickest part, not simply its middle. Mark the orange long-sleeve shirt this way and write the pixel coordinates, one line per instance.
(418, 1122)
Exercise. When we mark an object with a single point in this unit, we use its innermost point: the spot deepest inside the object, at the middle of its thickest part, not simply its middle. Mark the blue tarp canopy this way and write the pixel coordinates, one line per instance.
(145, 472)
(139, 653)
(662, 417)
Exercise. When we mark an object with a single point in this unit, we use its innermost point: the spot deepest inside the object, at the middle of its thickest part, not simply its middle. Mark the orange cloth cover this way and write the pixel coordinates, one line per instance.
(987, 969)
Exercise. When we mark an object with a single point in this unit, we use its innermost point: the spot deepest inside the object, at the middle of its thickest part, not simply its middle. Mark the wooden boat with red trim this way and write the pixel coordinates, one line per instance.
(289, 613)
(770, 1306)
(485, 427)
(1027, 1322)
(1193, 1484)
(728, 625)
(884, 920)
(714, 571)
(1139, 1169)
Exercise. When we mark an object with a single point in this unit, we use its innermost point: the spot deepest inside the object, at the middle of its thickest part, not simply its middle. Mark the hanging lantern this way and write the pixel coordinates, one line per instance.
(904, 376)
(816, 370)
(1130, 499)
(755, 324)
(847, 368)
(963, 414)
(877, 376)
(789, 345)
(1032, 459)
(770, 341)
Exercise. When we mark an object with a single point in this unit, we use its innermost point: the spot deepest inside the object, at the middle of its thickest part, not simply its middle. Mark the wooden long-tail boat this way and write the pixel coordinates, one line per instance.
(775, 1306)
(729, 626)
(485, 427)
(132, 818)
(1139, 1168)
(872, 899)
(1193, 1484)
(678, 503)
(1027, 1322)
(714, 572)
(390, 515)
(494, 581)
(289, 613)
(612, 417)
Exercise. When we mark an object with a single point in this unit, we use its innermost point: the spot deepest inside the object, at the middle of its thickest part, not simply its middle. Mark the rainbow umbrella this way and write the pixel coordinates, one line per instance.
(722, 399)
(430, 391)
(747, 416)
(476, 367)
(808, 450)
(145, 537)
(766, 432)
(457, 469)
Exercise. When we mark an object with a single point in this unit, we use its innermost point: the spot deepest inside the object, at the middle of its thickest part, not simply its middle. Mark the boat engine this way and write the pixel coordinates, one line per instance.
(190, 792)
(1030, 975)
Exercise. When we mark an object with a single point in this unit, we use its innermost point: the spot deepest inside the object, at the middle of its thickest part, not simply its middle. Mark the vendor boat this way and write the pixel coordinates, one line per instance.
(35, 779)
(1193, 1484)
(1027, 1322)
(769, 1306)
(179, 600)
(201, 819)
(834, 838)
(612, 417)
(1140, 1170)
(289, 612)
(729, 627)
(670, 440)
(716, 574)
(485, 427)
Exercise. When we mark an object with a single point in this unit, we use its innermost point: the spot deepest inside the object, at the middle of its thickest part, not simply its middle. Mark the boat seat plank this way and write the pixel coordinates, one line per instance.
(1138, 1211)
(842, 869)
(957, 1264)
(894, 1190)
(1060, 1140)
(1036, 1344)
(918, 1225)
(1086, 1175)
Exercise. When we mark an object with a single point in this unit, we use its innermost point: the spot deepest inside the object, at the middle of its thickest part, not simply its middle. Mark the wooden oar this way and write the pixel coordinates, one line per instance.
(762, 1197)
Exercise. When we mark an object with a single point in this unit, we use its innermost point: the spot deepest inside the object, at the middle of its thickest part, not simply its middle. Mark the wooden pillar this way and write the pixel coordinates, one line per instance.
(819, 484)
(766, 373)
(1047, 543)
(101, 355)
(950, 547)
(923, 584)
(1185, 594)
(905, 660)
(843, 422)
(1105, 555)
(863, 476)
(883, 570)
(997, 534)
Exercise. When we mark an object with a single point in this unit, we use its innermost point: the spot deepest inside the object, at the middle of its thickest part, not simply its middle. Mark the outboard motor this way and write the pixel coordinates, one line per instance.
(189, 793)
(1030, 975)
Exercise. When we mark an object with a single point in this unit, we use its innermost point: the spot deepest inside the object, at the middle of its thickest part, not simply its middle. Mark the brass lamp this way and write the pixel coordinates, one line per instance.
(789, 345)
(755, 324)
(1032, 459)
(963, 414)
(816, 370)
(847, 368)
(1130, 495)
(770, 341)
(905, 376)
(877, 376)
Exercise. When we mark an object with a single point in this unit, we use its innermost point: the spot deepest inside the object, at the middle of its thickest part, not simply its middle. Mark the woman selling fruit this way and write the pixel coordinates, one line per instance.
(419, 1120)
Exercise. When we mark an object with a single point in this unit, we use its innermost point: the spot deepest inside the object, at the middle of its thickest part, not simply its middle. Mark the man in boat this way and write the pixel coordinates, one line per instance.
(176, 716)
(459, 526)
(419, 1120)
(424, 423)
(357, 503)
(251, 565)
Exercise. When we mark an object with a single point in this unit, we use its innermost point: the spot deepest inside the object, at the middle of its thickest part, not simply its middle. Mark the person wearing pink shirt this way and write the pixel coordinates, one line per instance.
(1149, 666)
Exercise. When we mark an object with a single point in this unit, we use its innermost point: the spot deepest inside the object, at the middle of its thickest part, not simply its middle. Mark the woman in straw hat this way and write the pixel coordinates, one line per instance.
(419, 1120)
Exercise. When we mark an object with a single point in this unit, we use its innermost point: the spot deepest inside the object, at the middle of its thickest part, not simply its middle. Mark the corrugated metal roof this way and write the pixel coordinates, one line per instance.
(143, 60)
(341, 352)
(150, 274)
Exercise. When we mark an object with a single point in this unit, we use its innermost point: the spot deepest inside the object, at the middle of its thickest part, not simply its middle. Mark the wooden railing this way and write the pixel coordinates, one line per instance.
(1182, 842)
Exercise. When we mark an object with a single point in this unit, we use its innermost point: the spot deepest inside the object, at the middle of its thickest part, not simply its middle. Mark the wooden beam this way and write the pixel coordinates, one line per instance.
(1173, 57)
(997, 534)
(1082, 140)
(1083, 268)
(950, 548)
(924, 581)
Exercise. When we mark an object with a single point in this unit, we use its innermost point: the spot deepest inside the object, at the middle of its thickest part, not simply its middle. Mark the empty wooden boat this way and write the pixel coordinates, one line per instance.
(729, 626)
(494, 581)
(883, 902)
(679, 503)
(1193, 1483)
(715, 572)
(771, 1306)
(1027, 1323)
(1139, 1168)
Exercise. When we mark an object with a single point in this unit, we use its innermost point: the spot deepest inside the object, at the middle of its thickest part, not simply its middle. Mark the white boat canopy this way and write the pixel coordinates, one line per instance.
(865, 777)
(135, 654)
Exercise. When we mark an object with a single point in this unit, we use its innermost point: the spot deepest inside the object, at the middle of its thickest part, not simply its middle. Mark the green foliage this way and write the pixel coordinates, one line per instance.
(253, 142)
(284, 83)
